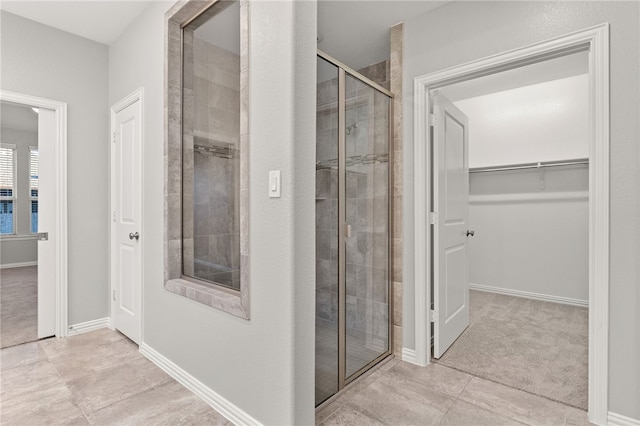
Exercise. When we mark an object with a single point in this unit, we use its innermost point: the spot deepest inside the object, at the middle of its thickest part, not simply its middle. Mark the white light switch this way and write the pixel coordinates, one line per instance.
(274, 184)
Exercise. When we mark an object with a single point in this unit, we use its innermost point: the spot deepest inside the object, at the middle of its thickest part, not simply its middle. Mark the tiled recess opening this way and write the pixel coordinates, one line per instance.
(211, 167)
(218, 248)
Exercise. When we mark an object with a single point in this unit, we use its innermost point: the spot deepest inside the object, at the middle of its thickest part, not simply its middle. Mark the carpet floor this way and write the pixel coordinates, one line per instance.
(538, 347)
(18, 305)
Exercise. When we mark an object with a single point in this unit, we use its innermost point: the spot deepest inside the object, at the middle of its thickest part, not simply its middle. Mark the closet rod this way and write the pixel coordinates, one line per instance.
(530, 165)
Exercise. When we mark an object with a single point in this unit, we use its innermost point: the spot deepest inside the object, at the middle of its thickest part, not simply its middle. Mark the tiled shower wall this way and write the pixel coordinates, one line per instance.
(216, 166)
(395, 85)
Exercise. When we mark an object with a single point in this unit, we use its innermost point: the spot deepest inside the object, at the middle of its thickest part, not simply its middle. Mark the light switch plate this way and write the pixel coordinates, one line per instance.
(274, 184)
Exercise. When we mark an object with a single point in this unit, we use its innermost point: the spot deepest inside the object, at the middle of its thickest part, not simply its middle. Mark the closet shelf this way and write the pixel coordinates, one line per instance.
(539, 165)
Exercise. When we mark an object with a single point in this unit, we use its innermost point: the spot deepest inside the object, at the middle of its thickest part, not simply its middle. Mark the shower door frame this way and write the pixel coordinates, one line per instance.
(343, 70)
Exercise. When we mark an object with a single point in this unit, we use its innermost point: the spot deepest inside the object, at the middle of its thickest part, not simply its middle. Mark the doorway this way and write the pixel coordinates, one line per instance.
(353, 223)
(527, 243)
(34, 219)
(595, 41)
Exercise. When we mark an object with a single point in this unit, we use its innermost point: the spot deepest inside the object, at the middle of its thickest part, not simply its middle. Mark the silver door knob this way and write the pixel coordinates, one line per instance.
(135, 236)
(470, 233)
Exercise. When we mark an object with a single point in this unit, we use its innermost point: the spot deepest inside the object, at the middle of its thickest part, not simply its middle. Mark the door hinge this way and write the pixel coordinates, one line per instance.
(114, 295)
(115, 137)
(433, 316)
(433, 119)
(114, 215)
(348, 231)
(433, 218)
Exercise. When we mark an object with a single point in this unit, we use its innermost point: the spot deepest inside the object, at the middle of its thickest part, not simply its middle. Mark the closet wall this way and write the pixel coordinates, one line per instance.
(531, 226)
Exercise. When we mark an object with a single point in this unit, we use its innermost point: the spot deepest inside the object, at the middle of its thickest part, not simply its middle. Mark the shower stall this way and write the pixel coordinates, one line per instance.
(353, 225)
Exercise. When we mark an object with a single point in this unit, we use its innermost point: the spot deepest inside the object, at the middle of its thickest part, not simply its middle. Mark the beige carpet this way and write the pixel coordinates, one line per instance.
(538, 347)
(18, 305)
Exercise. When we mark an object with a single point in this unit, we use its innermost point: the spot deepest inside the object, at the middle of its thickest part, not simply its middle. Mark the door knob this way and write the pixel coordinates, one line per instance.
(470, 233)
(135, 236)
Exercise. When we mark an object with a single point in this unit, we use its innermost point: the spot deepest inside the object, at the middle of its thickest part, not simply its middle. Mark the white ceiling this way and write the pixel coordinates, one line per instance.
(363, 23)
(356, 32)
(18, 117)
(98, 20)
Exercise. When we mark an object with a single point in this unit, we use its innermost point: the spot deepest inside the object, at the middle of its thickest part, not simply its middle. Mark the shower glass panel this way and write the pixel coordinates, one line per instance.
(367, 219)
(353, 150)
(326, 231)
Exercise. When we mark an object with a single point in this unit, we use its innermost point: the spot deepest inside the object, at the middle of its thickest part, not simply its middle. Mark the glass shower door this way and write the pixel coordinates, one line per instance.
(352, 226)
(367, 224)
(326, 232)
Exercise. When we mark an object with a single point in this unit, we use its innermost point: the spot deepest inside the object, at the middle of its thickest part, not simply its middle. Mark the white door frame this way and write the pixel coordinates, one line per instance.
(137, 95)
(60, 167)
(596, 41)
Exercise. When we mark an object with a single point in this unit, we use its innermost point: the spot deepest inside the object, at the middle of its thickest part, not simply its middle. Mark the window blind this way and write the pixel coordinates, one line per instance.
(33, 171)
(7, 171)
(7, 188)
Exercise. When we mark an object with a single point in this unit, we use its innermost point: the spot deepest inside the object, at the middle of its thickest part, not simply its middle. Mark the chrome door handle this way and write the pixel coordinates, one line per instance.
(470, 233)
(135, 236)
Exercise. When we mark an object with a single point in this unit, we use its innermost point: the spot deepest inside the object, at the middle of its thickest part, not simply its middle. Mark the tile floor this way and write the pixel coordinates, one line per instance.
(399, 393)
(101, 378)
(94, 378)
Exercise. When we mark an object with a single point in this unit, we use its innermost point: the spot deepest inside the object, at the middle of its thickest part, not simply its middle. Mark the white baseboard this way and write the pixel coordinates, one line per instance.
(620, 420)
(529, 295)
(85, 327)
(409, 355)
(208, 395)
(19, 265)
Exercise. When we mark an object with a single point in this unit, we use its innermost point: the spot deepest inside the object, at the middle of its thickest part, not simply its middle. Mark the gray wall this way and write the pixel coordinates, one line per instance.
(265, 365)
(20, 250)
(464, 31)
(42, 61)
(538, 246)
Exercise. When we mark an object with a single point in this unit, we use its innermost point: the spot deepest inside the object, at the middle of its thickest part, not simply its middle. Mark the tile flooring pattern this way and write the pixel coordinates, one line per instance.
(101, 378)
(93, 378)
(18, 305)
(399, 393)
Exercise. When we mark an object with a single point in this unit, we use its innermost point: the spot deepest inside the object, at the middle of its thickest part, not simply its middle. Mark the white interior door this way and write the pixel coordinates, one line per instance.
(47, 205)
(127, 208)
(451, 196)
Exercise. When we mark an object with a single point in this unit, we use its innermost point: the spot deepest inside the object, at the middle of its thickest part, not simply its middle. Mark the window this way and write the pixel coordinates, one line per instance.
(7, 188)
(33, 187)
